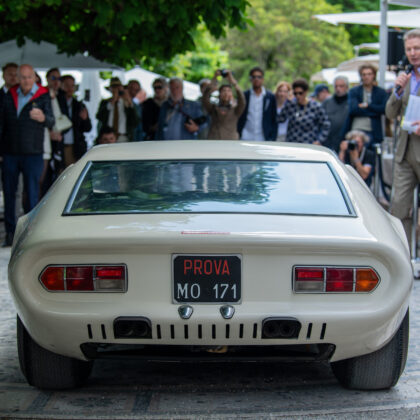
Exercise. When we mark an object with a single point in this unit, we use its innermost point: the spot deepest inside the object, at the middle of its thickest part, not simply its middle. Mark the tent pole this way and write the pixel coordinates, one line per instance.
(383, 42)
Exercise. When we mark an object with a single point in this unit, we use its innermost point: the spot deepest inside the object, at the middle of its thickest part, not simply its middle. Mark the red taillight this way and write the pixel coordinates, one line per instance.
(79, 278)
(309, 274)
(112, 272)
(110, 278)
(339, 280)
(85, 278)
(53, 278)
(309, 279)
(334, 279)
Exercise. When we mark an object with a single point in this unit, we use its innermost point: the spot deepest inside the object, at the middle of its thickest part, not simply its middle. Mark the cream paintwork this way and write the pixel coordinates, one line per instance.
(269, 244)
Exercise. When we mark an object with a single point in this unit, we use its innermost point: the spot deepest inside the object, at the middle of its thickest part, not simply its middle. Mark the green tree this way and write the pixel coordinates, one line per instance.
(192, 65)
(118, 31)
(287, 41)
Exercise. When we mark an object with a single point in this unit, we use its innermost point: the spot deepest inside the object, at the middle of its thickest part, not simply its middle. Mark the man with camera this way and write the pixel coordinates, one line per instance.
(118, 112)
(179, 118)
(353, 152)
(225, 114)
(407, 153)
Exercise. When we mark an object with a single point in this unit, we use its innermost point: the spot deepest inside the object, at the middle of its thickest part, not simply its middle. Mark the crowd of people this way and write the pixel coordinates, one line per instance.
(42, 129)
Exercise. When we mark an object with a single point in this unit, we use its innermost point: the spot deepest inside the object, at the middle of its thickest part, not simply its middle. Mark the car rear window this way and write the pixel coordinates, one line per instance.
(208, 186)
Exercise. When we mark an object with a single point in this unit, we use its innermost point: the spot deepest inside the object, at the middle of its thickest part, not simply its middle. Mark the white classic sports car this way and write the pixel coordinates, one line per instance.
(211, 250)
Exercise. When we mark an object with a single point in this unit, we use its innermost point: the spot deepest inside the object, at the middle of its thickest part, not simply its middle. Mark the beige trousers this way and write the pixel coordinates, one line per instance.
(68, 155)
(406, 178)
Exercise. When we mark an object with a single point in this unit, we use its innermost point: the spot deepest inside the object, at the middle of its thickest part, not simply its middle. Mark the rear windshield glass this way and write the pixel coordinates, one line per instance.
(205, 186)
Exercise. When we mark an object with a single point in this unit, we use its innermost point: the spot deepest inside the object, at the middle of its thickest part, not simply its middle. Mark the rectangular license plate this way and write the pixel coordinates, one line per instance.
(206, 279)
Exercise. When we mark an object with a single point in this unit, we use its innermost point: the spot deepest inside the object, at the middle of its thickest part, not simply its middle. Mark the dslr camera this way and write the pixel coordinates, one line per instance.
(199, 120)
(352, 145)
(224, 72)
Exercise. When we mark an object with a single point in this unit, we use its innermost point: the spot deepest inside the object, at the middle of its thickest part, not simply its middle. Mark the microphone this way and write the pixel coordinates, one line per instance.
(408, 69)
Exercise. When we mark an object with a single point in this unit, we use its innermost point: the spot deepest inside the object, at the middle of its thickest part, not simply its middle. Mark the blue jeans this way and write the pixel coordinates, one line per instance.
(31, 167)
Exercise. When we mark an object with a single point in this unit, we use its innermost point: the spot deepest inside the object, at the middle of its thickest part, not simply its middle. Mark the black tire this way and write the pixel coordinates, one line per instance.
(45, 369)
(378, 370)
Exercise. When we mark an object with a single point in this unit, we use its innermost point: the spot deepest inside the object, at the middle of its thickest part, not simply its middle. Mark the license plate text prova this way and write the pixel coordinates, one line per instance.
(207, 279)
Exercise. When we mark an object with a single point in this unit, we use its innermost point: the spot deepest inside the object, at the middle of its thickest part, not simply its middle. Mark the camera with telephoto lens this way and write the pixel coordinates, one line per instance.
(352, 145)
(224, 72)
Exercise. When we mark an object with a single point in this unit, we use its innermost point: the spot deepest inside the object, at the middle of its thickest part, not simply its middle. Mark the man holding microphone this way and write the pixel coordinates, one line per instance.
(407, 154)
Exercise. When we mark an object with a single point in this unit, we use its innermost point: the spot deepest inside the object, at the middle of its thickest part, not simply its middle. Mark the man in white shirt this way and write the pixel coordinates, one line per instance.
(259, 120)
(74, 143)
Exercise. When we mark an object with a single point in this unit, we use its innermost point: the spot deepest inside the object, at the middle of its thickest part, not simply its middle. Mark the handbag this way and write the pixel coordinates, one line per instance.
(62, 121)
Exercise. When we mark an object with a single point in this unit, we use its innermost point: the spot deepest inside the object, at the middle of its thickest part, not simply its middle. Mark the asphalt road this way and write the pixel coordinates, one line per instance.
(134, 390)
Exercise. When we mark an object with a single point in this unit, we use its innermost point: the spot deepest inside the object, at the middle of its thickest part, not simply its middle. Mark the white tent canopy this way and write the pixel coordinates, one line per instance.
(395, 18)
(412, 3)
(356, 62)
(45, 55)
(146, 78)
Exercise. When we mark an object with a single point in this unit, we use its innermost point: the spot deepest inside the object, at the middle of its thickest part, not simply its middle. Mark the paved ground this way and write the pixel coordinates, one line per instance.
(129, 389)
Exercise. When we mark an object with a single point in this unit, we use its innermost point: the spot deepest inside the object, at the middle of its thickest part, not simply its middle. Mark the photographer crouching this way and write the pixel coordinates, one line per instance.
(353, 152)
(225, 114)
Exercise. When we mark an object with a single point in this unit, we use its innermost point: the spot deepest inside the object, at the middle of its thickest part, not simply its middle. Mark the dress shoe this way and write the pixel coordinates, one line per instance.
(8, 240)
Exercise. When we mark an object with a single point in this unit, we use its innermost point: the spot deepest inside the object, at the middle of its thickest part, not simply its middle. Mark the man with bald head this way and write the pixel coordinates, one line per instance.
(26, 112)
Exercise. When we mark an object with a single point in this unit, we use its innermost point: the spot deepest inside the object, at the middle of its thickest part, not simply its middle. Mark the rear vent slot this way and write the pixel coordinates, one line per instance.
(89, 329)
(324, 327)
(103, 331)
(191, 332)
(308, 334)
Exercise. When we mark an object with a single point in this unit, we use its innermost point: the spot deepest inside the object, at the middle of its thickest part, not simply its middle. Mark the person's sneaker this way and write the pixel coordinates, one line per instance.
(8, 240)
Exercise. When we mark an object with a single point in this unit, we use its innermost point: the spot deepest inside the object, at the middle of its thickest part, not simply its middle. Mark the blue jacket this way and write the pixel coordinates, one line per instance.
(189, 109)
(374, 110)
(269, 115)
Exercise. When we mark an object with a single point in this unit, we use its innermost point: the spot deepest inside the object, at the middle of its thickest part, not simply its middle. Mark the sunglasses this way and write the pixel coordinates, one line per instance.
(298, 92)
(256, 77)
(54, 78)
(157, 87)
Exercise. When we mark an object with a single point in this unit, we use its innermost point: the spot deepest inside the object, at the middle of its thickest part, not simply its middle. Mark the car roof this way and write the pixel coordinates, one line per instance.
(209, 149)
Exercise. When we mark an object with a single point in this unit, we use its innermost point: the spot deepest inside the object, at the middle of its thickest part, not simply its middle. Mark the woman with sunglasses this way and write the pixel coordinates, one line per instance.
(307, 120)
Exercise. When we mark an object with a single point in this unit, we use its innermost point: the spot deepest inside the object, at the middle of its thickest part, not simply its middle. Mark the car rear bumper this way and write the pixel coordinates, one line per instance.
(351, 333)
